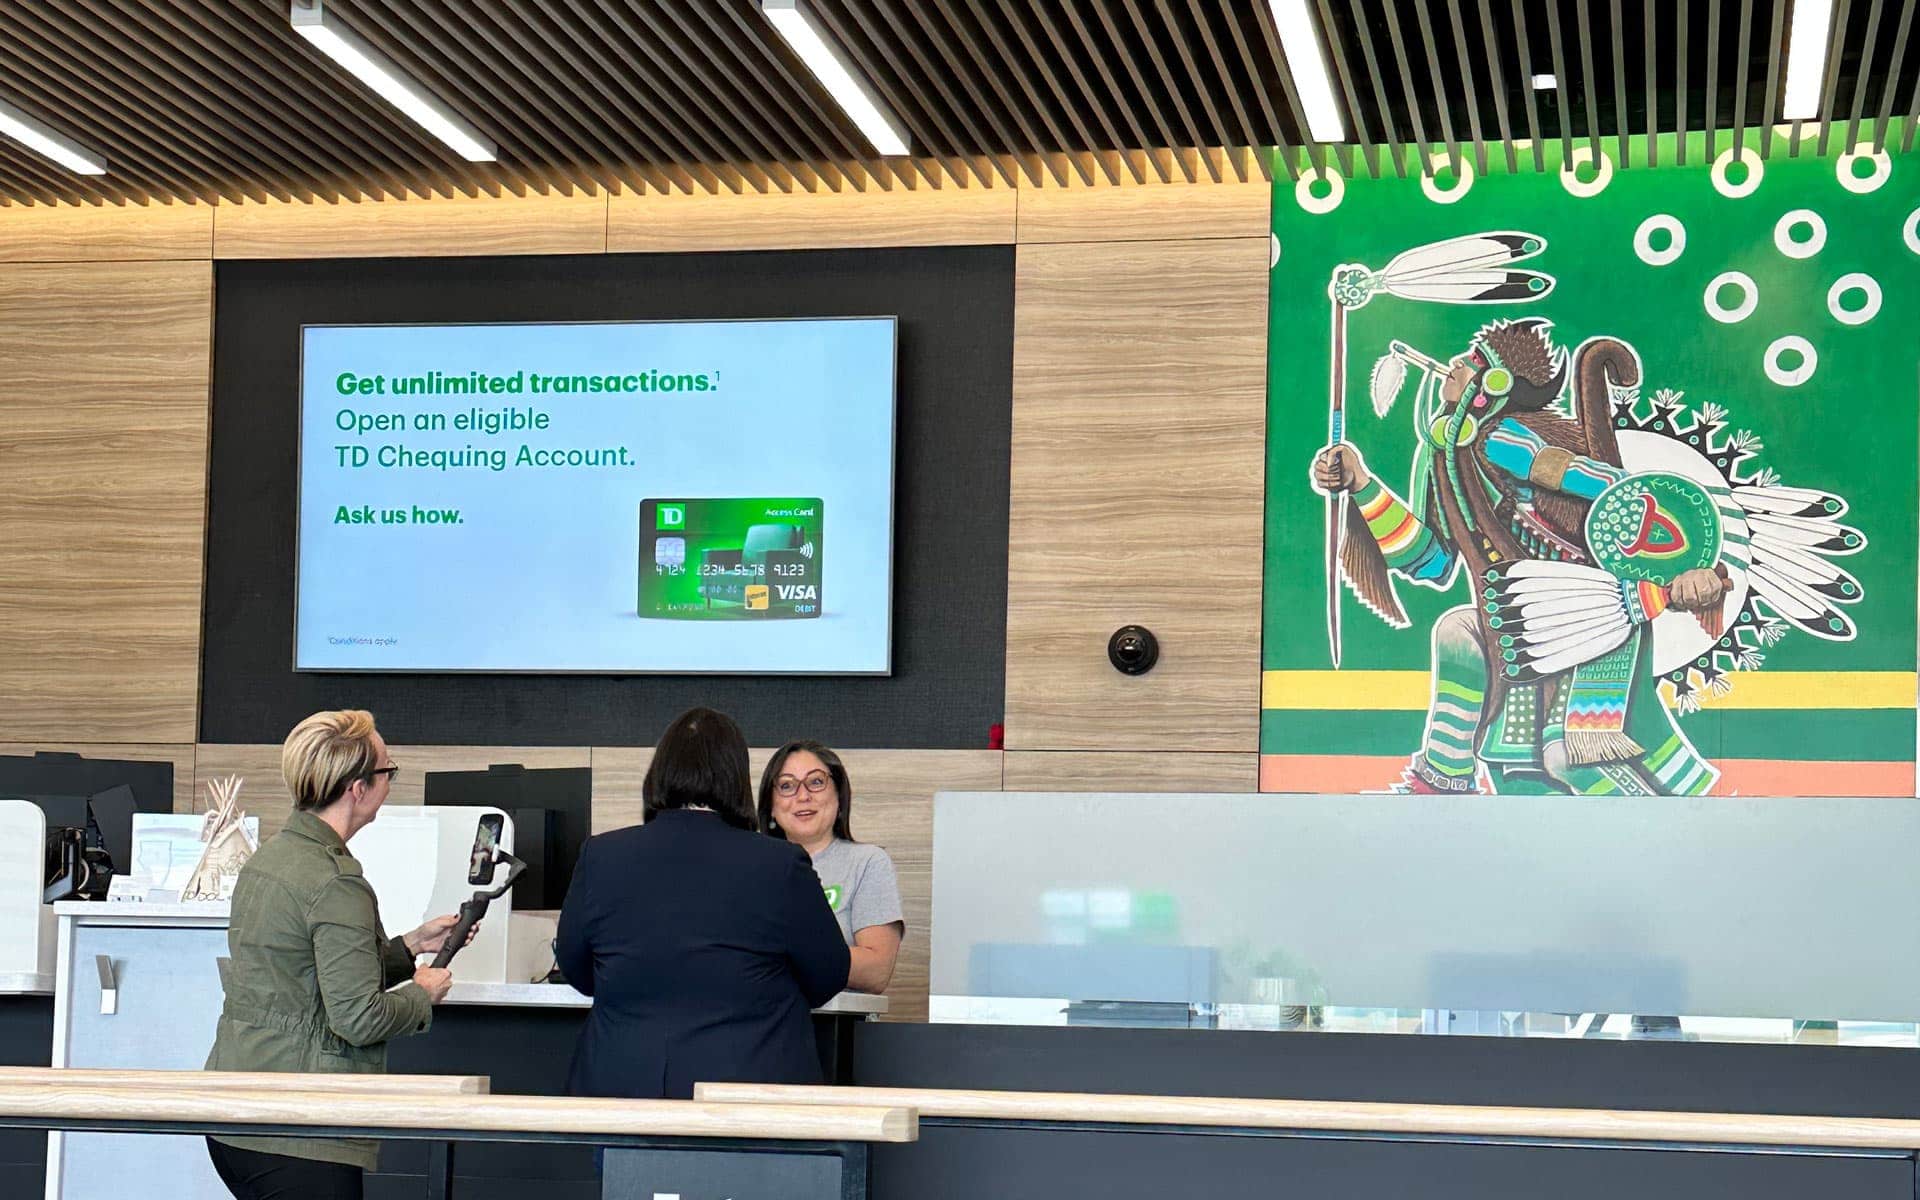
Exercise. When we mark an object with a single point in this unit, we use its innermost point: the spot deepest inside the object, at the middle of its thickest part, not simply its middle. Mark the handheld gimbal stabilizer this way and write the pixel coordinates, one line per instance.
(487, 857)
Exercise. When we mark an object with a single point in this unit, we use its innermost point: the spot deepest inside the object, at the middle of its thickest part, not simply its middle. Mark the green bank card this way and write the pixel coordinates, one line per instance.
(730, 559)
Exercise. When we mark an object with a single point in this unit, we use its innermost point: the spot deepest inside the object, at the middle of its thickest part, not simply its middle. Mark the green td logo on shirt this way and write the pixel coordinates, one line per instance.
(834, 896)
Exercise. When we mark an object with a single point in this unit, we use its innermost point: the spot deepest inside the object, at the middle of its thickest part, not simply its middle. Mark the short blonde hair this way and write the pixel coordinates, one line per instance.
(324, 755)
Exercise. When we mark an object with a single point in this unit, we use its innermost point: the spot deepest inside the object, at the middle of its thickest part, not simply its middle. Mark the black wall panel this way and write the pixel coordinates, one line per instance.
(955, 310)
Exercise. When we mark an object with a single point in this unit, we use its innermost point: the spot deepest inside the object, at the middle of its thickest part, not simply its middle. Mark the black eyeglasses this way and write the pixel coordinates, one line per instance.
(787, 785)
(391, 771)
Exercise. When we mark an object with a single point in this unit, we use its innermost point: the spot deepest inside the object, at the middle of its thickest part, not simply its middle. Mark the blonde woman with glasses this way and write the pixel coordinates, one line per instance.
(806, 798)
(313, 982)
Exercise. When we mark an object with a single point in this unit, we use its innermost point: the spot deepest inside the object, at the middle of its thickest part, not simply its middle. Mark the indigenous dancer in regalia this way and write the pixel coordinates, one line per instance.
(1545, 679)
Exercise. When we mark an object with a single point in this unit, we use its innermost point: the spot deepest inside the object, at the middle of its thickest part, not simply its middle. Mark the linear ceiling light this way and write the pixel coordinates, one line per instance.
(370, 67)
(43, 141)
(796, 25)
(1309, 67)
(1806, 58)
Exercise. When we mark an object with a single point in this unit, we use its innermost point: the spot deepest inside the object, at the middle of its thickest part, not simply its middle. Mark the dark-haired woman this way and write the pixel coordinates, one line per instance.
(806, 798)
(703, 945)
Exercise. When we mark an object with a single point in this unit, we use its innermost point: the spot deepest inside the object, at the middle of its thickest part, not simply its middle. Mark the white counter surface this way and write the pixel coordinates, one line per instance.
(135, 913)
(559, 995)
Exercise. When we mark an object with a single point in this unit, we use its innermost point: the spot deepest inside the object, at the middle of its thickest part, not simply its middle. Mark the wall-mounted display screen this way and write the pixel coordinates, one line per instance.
(701, 497)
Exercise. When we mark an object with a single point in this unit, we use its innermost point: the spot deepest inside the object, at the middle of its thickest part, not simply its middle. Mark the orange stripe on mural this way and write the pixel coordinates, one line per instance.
(1348, 773)
(1785, 777)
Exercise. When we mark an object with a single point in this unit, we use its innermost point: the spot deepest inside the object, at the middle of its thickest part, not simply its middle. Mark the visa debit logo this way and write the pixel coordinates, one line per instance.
(796, 591)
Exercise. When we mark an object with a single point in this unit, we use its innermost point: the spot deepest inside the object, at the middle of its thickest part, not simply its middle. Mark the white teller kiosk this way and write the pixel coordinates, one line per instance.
(138, 985)
(26, 924)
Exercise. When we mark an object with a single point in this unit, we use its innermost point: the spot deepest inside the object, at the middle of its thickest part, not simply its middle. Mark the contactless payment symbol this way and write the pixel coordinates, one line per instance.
(670, 516)
(1653, 527)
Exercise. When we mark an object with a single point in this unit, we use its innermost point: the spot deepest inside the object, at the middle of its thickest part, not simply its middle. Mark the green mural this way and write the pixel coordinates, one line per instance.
(1595, 481)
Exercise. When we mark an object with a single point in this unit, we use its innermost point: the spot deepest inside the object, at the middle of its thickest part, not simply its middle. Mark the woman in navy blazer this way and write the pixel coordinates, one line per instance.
(703, 945)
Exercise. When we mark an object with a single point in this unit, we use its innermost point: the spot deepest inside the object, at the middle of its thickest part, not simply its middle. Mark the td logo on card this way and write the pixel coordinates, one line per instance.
(671, 516)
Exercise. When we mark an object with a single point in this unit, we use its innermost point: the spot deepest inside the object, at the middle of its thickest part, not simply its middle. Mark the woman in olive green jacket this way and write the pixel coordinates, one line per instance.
(307, 984)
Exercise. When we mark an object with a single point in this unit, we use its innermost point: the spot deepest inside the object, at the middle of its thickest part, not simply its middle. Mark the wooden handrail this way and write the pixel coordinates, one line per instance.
(220, 1081)
(1576, 1124)
(336, 1110)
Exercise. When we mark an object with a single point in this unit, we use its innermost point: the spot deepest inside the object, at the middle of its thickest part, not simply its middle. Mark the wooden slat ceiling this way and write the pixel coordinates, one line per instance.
(219, 100)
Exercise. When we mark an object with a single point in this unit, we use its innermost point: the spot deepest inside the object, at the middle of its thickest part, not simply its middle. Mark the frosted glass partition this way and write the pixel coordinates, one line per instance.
(1723, 907)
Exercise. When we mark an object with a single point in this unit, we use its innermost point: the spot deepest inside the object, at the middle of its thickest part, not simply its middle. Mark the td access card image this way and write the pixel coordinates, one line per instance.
(730, 558)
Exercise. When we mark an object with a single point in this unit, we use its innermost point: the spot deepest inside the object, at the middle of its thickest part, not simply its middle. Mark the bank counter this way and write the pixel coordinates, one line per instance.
(138, 986)
(1287, 957)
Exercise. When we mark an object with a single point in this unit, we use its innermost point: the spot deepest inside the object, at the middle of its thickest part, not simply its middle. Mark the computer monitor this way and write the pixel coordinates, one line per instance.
(106, 819)
(52, 773)
(108, 815)
(552, 811)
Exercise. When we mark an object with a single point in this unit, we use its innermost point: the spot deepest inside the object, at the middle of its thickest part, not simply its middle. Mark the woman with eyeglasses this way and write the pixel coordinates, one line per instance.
(313, 983)
(806, 798)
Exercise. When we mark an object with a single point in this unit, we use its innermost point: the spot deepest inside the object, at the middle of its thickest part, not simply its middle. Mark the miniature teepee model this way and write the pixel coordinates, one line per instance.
(228, 847)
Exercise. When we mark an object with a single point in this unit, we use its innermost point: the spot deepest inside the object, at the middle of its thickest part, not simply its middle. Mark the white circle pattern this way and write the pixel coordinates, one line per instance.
(1643, 239)
(1882, 167)
(1749, 297)
(1755, 172)
(1462, 184)
(1795, 376)
(1303, 194)
(1784, 241)
(1858, 281)
(1911, 231)
(1580, 157)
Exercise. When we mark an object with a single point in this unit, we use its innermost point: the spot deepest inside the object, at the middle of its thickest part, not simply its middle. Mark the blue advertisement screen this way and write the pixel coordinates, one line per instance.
(691, 497)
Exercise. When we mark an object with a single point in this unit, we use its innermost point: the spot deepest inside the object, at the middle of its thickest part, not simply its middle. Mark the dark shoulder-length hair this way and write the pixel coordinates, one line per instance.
(842, 787)
(701, 759)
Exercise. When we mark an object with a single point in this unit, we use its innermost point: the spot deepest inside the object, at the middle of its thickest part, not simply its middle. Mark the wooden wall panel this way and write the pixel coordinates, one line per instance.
(82, 233)
(264, 794)
(948, 216)
(617, 775)
(103, 467)
(1139, 380)
(1145, 212)
(533, 224)
(416, 761)
(181, 756)
(1130, 771)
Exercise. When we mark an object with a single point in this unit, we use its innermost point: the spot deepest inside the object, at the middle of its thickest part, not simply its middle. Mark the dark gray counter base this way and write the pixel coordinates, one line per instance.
(527, 1051)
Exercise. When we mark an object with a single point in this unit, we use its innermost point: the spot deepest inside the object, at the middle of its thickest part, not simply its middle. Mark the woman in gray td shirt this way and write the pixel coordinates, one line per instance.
(806, 798)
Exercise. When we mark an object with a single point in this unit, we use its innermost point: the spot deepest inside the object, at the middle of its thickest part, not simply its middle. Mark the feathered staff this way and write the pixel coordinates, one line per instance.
(1474, 269)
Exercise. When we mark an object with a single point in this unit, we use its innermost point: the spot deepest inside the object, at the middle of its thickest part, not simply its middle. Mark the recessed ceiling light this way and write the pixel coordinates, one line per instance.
(45, 142)
(1544, 83)
(797, 26)
(370, 67)
(1806, 58)
(1309, 66)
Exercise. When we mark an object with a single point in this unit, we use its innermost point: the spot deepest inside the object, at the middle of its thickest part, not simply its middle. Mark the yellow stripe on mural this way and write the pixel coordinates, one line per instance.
(1366, 691)
(1344, 690)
